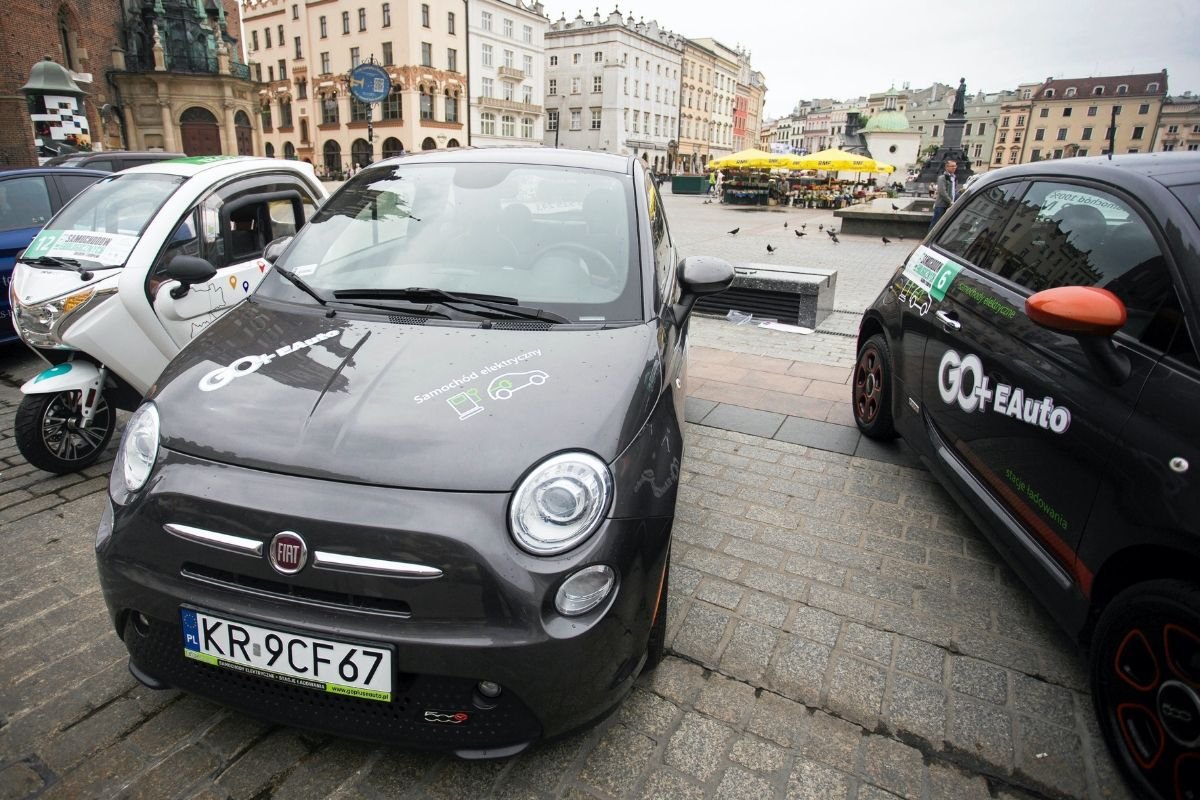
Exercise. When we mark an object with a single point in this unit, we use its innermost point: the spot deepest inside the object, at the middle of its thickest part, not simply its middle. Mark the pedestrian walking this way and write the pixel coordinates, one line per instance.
(712, 183)
(947, 191)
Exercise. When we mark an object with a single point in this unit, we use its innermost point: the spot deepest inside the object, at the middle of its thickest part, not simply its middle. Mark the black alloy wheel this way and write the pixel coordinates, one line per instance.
(1145, 675)
(50, 436)
(871, 393)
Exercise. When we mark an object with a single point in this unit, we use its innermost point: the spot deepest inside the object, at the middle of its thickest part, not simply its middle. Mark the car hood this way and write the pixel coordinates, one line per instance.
(423, 407)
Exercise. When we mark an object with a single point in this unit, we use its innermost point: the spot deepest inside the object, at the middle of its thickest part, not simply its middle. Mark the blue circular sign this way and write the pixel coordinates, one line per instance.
(369, 83)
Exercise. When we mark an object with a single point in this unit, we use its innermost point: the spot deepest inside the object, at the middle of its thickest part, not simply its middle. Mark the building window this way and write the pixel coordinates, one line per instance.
(1081, 152)
(354, 58)
(527, 64)
(527, 95)
(266, 118)
(597, 83)
(329, 110)
(1067, 111)
(426, 54)
(595, 119)
(1039, 135)
(508, 28)
(506, 90)
(325, 64)
(1062, 135)
(485, 22)
(324, 27)
(1021, 121)
(296, 43)
(935, 130)
(426, 104)
(1045, 112)
(527, 34)
(301, 90)
(553, 90)
(554, 61)
(345, 22)
(451, 59)
(283, 69)
(1091, 111)
(279, 36)
(487, 123)
(598, 57)
(1035, 155)
(575, 58)
(487, 55)
(1070, 92)
(359, 111)
(999, 157)
(1099, 90)
(1048, 93)
(982, 128)
(1122, 89)
(1151, 87)
(1087, 134)
(574, 85)
(1004, 122)
(451, 107)
(267, 33)
(508, 125)
(295, 11)
(387, 54)
(575, 119)
(488, 87)
(1003, 137)
(391, 104)
(387, 15)
(424, 15)
(526, 128)
(1138, 132)
(551, 120)
(362, 19)
(1144, 108)
(508, 58)
(303, 132)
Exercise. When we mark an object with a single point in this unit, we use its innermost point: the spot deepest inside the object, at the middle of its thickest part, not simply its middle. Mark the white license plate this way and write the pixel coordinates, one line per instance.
(349, 669)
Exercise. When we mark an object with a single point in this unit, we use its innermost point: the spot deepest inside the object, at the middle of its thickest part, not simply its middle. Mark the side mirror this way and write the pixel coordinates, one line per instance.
(699, 276)
(1090, 314)
(275, 249)
(188, 270)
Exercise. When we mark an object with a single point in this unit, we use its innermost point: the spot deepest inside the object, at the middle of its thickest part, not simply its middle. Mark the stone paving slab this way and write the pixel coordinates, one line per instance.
(836, 629)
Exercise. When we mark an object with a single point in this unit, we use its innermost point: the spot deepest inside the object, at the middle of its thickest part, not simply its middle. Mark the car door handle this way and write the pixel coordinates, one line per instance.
(948, 319)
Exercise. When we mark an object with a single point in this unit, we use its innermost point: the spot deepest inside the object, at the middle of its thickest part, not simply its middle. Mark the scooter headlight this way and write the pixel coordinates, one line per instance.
(42, 324)
(138, 451)
(560, 503)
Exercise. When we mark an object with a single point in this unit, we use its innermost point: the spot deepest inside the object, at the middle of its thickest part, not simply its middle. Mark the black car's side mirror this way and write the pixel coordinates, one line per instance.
(275, 249)
(188, 270)
(700, 276)
(1092, 315)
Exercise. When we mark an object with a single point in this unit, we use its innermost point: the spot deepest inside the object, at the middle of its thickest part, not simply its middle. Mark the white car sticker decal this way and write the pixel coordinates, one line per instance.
(977, 394)
(246, 365)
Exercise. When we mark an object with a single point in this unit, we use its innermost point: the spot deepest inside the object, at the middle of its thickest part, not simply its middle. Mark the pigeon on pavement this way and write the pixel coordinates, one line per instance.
(734, 231)
(800, 234)
(895, 207)
(886, 240)
(785, 223)
(821, 227)
(833, 236)
(770, 249)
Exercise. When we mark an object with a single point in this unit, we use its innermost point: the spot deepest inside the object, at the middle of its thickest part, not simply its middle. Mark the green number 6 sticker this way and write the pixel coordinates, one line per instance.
(943, 279)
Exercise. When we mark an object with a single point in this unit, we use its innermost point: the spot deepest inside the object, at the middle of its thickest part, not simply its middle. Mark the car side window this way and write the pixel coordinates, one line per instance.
(1070, 235)
(660, 238)
(977, 227)
(71, 185)
(24, 203)
(102, 165)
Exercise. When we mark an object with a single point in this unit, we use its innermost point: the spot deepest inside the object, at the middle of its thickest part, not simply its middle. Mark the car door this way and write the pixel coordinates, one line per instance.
(673, 335)
(1022, 418)
(230, 229)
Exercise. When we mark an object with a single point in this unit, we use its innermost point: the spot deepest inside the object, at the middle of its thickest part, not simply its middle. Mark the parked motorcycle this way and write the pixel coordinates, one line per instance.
(131, 271)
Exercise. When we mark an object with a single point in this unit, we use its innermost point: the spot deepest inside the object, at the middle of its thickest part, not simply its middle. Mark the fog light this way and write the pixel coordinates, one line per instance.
(584, 590)
(489, 689)
(141, 624)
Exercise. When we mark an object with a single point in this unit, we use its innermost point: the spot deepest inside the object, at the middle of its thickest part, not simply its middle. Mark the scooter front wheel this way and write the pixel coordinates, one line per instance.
(50, 434)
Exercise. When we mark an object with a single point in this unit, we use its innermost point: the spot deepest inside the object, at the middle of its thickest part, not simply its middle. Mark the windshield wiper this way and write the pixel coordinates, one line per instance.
(302, 285)
(57, 262)
(504, 306)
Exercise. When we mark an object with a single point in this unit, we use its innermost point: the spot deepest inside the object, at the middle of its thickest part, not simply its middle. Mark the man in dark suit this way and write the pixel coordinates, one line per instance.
(947, 191)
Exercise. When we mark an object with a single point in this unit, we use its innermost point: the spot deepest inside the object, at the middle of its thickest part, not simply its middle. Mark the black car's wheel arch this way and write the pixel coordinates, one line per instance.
(1129, 567)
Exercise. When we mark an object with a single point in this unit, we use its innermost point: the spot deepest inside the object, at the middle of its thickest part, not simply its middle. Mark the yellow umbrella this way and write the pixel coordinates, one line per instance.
(835, 160)
(753, 159)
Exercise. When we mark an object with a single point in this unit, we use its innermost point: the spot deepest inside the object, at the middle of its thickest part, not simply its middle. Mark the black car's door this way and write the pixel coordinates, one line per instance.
(1024, 419)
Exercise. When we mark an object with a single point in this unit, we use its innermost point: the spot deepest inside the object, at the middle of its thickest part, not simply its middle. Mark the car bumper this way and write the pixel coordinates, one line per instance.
(490, 616)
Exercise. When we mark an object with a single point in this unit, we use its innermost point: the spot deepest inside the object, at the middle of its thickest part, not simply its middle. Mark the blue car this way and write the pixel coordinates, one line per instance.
(28, 199)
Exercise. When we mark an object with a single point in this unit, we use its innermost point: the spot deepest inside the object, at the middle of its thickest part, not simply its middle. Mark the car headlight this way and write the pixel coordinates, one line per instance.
(139, 449)
(560, 503)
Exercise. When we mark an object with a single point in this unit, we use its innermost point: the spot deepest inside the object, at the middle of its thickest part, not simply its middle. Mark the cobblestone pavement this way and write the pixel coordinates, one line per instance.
(836, 628)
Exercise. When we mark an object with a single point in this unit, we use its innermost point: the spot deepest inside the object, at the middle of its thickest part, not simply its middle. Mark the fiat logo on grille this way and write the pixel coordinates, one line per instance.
(287, 553)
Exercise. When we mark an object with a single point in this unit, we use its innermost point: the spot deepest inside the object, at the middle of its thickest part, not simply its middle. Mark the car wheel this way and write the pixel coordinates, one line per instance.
(1145, 675)
(871, 393)
(656, 647)
(48, 433)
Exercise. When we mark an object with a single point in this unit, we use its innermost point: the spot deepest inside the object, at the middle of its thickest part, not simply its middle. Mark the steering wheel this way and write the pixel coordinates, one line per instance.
(610, 275)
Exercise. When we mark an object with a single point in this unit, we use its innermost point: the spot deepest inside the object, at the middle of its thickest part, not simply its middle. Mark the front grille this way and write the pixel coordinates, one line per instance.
(509, 722)
(304, 594)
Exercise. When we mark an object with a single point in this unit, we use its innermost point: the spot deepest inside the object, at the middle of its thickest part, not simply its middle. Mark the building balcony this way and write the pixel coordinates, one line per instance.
(510, 74)
(507, 105)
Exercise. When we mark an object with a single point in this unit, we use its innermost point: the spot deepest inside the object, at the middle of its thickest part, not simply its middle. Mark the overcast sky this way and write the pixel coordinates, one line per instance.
(842, 49)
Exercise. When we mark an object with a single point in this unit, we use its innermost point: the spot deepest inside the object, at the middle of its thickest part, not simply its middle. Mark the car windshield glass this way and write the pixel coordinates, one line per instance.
(103, 223)
(1189, 195)
(553, 238)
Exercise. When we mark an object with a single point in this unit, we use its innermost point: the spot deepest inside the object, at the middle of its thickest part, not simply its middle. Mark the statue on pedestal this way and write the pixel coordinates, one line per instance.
(960, 98)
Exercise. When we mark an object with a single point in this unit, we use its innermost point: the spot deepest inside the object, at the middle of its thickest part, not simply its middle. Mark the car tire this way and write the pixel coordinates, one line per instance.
(656, 646)
(871, 390)
(1145, 680)
(47, 432)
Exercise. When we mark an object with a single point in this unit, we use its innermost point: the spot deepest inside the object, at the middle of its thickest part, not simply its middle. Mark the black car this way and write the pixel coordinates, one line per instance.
(419, 487)
(1039, 351)
(111, 160)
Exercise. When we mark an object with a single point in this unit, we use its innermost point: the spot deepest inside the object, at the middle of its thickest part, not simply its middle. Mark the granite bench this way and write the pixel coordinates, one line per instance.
(791, 294)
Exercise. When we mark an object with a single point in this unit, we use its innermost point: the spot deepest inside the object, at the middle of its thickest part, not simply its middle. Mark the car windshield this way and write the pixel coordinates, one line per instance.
(103, 223)
(553, 238)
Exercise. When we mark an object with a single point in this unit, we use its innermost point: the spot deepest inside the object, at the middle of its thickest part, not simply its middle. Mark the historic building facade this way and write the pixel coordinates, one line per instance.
(696, 101)
(612, 84)
(507, 73)
(306, 51)
(724, 82)
(1179, 124)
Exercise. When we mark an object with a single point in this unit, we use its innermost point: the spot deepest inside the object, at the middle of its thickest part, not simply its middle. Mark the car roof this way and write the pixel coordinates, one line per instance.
(542, 156)
(1167, 168)
(6, 174)
(194, 165)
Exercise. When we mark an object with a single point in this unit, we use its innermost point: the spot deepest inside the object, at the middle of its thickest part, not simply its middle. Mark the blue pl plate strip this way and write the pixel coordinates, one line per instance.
(191, 631)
